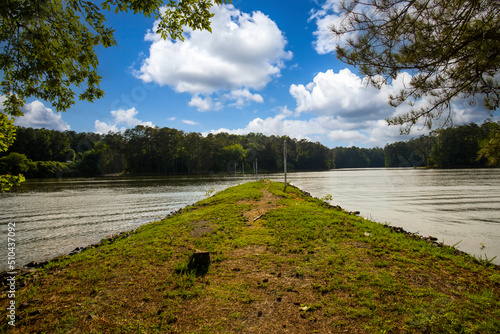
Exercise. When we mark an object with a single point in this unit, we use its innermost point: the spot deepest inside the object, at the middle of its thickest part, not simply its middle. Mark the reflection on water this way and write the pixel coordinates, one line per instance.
(55, 216)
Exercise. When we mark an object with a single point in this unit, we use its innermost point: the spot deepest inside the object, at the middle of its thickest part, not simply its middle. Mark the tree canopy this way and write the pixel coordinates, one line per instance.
(451, 49)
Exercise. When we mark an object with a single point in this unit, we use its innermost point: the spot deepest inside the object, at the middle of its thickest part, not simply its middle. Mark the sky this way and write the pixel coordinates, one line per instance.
(267, 67)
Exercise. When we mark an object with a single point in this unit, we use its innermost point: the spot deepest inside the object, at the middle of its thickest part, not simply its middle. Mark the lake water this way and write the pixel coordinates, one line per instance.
(55, 216)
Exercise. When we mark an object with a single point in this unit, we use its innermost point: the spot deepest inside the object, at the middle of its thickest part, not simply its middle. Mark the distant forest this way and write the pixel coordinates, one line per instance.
(453, 147)
(39, 153)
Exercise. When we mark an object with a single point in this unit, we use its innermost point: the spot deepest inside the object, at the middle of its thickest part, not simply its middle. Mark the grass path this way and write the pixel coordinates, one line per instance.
(281, 262)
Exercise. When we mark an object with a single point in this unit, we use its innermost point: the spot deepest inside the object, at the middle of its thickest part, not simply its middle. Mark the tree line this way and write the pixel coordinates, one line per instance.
(469, 145)
(155, 151)
(145, 150)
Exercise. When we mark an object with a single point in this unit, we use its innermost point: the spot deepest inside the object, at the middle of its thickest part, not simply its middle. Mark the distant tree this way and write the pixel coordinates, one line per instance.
(14, 163)
(457, 146)
(451, 48)
(376, 156)
(411, 153)
(233, 155)
(351, 157)
(490, 147)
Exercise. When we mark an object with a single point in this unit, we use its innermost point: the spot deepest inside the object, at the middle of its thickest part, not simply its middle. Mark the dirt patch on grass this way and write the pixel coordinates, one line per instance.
(201, 228)
(265, 204)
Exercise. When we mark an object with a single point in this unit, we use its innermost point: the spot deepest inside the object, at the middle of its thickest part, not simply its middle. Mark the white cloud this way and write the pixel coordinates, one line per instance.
(281, 125)
(205, 103)
(37, 115)
(350, 136)
(238, 98)
(185, 121)
(327, 16)
(3, 98)
(245, 51)
(242, 96)
(125, 118)
(104, 128)
(342, 94)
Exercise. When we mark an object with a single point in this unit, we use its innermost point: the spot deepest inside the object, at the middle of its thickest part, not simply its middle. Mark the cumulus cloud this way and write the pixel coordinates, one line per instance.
(124, 118)
(104, 128)
(244, 52)
(343, 94)
(325, 17)
(37, 115)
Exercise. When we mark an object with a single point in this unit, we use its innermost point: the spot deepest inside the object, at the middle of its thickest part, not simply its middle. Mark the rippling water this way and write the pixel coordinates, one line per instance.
(55, 216)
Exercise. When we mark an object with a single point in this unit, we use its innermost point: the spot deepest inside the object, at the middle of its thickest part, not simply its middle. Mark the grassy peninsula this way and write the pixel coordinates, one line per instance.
(281, 262)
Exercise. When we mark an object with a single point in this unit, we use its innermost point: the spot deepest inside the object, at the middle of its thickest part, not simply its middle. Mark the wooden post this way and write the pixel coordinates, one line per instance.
(199, 261)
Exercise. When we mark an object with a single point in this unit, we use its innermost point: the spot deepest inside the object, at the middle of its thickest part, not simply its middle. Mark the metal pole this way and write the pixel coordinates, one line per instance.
(256, 169)
(284, 159)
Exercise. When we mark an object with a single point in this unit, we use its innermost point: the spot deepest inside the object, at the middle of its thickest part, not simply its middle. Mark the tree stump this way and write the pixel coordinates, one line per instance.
(199, 261)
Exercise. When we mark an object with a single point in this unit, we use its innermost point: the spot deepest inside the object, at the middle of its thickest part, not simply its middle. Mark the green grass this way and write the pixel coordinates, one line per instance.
(301, 266)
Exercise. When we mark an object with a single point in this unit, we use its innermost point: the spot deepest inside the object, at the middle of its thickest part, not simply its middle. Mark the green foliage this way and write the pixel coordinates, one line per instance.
(7, 137)
(7, 132)
(458, 146)
(490, 147)
(49, 51)
(355, 157)
(235, 153)
(412, 153)
(15, 163)
(8, 181)
(451, 49)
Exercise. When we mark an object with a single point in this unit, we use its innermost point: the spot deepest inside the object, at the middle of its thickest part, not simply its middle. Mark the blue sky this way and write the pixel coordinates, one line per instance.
(268, 66)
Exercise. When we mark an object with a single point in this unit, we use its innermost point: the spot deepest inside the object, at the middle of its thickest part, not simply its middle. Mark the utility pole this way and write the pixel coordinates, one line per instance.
(284, 160)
